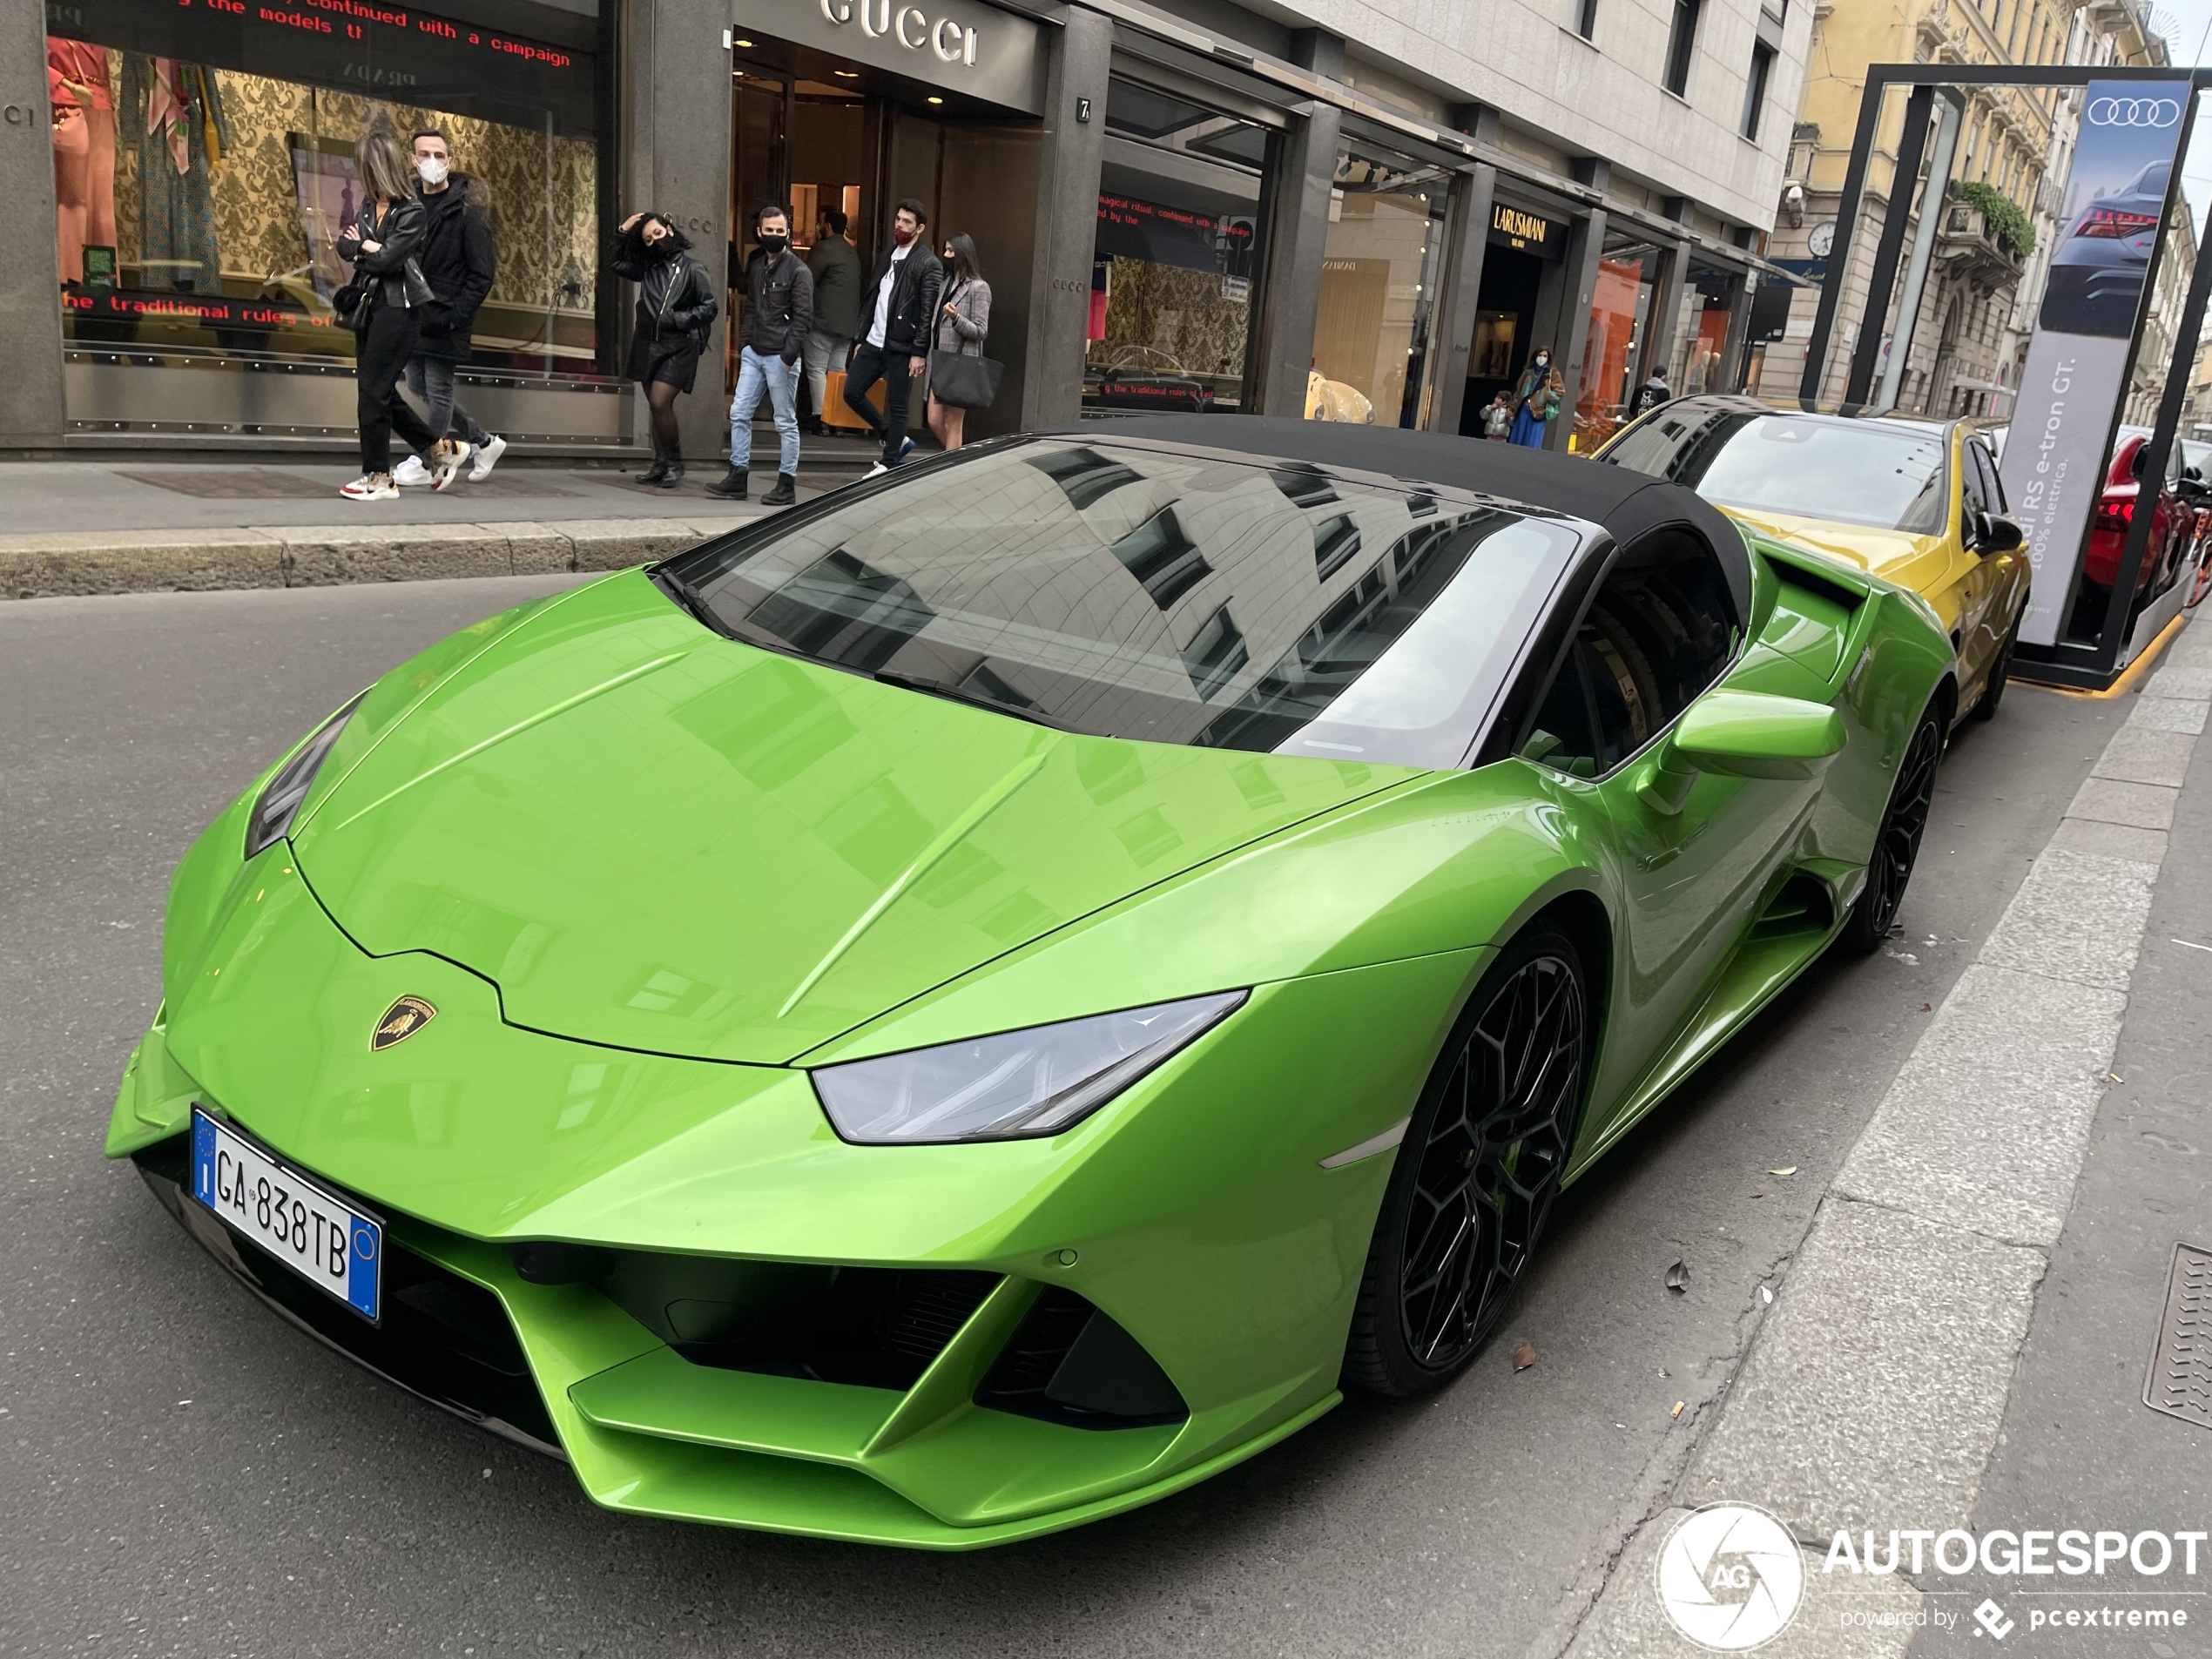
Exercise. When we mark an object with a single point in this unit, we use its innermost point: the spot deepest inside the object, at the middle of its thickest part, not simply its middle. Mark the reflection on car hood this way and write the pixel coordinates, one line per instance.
(651, 837)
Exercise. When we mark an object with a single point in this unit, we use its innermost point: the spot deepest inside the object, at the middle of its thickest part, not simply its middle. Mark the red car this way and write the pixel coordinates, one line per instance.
(2173, 530)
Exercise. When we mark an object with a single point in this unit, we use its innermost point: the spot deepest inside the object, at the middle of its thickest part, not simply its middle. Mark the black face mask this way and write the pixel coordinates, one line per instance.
(774, 245)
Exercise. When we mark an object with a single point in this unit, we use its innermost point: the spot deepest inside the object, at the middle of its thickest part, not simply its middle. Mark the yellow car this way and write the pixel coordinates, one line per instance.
(1915, 501)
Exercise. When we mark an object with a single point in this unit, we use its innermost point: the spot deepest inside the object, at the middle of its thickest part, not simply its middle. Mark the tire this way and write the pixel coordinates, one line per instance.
(2000, 672)
(1896, 844)
(1477, 1172)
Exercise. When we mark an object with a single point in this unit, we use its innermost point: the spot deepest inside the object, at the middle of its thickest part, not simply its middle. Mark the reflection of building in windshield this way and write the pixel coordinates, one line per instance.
(1120, 592)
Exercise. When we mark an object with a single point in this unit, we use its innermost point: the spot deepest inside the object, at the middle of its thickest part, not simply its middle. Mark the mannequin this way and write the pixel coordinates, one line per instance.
(76, 84)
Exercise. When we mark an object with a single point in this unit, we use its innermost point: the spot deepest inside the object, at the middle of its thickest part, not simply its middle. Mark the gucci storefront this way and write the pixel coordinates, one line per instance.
(1169, 220)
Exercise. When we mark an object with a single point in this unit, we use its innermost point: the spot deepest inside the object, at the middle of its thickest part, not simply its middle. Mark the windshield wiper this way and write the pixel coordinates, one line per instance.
(954, 693)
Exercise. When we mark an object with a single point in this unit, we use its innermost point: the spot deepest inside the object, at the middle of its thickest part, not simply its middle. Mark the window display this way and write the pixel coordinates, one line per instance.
(1700, 330)
(1177, 256)
(1620, 309)
(204, 167)
(1378, 291)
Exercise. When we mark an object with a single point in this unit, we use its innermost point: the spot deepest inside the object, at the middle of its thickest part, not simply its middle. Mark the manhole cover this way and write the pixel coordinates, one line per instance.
(2180, 1383)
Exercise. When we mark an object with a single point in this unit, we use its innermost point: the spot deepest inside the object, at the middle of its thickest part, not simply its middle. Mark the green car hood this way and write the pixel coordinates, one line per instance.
(650, 837)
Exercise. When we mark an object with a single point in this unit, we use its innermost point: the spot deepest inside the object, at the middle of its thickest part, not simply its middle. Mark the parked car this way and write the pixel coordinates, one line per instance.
(984, 999)
(2096, 279)
(1916, 502)
(2173, 532)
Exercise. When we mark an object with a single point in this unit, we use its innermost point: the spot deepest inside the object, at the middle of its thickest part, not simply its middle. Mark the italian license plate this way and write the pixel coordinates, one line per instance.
(319, 1236)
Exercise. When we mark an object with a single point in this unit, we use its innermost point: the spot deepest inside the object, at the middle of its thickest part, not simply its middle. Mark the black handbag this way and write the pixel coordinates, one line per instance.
(964, 383)
(350, 303)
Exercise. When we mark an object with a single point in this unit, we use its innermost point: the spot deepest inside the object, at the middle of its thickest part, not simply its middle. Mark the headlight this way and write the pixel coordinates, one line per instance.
(1017, 1084)
(272, 816)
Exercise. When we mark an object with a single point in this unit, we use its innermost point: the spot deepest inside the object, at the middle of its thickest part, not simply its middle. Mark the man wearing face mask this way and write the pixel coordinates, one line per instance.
(778, 311)
(459, 261)
(900, 307)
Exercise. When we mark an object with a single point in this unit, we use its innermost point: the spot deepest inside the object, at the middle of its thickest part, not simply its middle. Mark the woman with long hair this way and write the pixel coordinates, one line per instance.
(675, 307)
(1536, 399)
(962, 324)
(381, 244)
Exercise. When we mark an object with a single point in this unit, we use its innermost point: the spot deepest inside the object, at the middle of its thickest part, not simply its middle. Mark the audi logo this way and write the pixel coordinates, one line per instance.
(2134, 112)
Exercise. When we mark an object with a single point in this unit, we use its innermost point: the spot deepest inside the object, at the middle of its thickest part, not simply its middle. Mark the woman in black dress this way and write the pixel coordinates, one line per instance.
(675, 307)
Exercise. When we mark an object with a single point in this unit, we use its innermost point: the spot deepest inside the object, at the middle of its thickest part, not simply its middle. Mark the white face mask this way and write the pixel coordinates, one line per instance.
(432, 169)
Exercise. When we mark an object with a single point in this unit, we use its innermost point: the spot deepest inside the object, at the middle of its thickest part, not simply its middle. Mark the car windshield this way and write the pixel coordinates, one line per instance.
(1133, 589)
(1856, 472)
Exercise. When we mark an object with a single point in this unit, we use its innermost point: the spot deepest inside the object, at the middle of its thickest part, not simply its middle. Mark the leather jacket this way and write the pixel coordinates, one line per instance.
(675, 294)
(391, 275)
(779, 305)
(916, 293)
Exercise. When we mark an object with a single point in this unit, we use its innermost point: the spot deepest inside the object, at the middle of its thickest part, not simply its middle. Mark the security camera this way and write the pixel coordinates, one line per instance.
(1793, 203)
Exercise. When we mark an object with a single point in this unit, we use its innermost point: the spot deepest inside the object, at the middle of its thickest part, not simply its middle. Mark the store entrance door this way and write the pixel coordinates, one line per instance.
(1505, 325)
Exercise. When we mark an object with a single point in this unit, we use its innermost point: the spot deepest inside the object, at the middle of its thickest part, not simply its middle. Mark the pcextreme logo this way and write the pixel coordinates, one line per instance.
(1730, 1577)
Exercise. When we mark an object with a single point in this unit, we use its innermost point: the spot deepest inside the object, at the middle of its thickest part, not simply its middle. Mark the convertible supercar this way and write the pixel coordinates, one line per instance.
(987, 998)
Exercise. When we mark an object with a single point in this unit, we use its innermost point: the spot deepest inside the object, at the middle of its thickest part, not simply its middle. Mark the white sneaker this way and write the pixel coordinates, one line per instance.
(488, 455)
(873, 470)
(372, 487)
(447, 468)
(411, 473)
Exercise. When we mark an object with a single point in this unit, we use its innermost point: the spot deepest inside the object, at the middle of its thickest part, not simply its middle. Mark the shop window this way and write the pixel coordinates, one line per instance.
(1371, 336)
(206, 170)
(1177, 261)
(1701, 332)
(1620, 317)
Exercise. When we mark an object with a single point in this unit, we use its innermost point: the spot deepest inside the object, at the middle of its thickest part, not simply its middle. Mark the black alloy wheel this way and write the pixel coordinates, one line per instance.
(2000, 671)
(1898, 843)
(1477, 1172)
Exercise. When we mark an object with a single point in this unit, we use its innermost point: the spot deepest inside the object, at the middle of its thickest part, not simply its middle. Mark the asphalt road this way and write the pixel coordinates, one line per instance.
(180, 1473)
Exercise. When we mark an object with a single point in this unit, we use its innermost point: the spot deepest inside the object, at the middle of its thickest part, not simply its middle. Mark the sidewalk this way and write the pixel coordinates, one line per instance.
(118, 526)
(1961, 1344)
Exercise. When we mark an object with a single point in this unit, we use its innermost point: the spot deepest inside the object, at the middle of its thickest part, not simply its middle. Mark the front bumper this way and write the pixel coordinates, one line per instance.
(1193, 1213)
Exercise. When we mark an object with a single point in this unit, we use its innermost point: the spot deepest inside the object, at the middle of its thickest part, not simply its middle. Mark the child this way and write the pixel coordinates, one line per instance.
(1497, 419)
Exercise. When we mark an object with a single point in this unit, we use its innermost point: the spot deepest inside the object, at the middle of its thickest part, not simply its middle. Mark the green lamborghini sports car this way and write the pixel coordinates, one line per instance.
(978, 1001)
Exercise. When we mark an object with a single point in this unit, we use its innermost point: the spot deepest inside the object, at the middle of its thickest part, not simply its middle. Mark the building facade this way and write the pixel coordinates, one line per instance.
(1997, 219)
(1321, 209)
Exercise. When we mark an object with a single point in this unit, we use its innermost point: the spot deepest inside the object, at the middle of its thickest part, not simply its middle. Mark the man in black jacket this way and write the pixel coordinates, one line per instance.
(459, 262)
(779, 311)
(899, 309)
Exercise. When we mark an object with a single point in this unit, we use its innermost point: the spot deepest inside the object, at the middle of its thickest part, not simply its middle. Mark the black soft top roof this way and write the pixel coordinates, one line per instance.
(1629, 505)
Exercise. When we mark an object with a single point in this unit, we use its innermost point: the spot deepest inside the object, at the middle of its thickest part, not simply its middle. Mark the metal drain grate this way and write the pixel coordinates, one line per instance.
(2180, 1383)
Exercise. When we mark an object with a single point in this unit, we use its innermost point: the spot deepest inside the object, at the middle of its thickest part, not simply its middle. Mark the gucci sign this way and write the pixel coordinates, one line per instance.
(952, 41)
(964, 46)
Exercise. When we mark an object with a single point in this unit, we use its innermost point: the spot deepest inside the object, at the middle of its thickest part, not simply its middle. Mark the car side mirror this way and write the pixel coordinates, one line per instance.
(1752, 734)
(2135, 462)
(1993, 533)
(2193, 475)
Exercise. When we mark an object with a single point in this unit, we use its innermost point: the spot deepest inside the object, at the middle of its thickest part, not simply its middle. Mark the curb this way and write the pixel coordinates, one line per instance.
(1874, 1392)
(53, 565)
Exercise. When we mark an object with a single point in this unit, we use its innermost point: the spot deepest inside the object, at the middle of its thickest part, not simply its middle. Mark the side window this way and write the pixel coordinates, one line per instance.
(1992, 481)
(1659, 632)
(1563, 737)
(1973, 485)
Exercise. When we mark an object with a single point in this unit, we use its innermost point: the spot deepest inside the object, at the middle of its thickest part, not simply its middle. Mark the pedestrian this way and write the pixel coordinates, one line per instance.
(381, 305)
(778, 312)
(1655, 391)
(1536, 400)
(458, 261)
(963, 323)
(675, 307)
(836, 268)
(1497, 417)
(905, 292)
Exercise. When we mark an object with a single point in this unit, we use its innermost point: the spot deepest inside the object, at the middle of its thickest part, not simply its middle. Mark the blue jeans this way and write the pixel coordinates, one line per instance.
(757, 374)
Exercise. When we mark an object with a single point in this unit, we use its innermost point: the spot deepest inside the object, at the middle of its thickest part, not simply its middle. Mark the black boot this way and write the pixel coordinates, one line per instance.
(732, 488)
(785, 493)
(674, 475)
(655, 473)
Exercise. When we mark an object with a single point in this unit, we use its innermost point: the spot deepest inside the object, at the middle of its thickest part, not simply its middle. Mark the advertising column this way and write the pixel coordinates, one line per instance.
(2077, 363)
